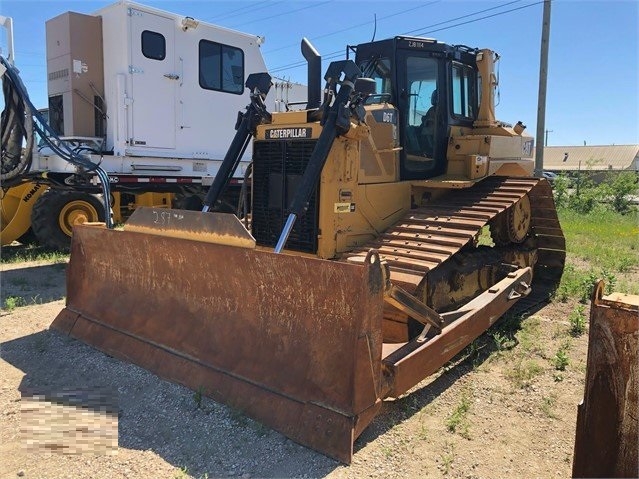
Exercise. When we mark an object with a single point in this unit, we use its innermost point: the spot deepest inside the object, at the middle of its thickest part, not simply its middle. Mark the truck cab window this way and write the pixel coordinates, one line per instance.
(221, 67)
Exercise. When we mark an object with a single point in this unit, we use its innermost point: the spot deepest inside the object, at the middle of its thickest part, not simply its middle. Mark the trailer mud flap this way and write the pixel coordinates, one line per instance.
(294, 342)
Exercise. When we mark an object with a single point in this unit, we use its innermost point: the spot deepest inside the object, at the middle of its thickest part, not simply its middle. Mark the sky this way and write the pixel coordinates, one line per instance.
(593, 75)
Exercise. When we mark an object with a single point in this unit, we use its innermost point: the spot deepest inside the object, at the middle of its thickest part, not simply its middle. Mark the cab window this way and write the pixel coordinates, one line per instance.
(379, 70)
(464, 96)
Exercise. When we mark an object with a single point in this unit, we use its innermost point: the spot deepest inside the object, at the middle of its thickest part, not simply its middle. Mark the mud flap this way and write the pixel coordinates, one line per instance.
(294, 342)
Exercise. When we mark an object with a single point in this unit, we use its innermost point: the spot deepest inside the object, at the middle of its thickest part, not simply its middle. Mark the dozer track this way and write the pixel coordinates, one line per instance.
(429, 236)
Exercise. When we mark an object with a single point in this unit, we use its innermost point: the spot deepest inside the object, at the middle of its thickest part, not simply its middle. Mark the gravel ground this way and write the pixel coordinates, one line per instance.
(510, 425)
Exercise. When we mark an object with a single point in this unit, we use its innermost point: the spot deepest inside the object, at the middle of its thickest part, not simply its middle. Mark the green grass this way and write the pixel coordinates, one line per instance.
(30, 252)
(606, 240)
(600, 244)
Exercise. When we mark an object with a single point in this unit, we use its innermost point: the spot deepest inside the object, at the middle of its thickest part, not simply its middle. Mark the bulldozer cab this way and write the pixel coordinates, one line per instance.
(434, 87)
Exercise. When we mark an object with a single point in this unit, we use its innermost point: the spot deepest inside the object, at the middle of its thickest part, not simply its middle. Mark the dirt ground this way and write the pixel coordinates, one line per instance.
(503, 410)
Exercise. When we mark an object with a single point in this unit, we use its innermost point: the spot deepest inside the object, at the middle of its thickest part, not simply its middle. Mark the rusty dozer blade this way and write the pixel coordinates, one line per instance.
(219, 228)
(272, 335)
(293, 341)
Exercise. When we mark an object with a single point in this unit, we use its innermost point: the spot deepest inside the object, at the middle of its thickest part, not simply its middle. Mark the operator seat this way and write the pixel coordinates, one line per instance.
(427, 128)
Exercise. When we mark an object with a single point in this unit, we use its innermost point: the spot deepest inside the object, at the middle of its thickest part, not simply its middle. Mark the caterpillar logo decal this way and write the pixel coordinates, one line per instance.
(287, 133)
(31, 192)
(344, 207)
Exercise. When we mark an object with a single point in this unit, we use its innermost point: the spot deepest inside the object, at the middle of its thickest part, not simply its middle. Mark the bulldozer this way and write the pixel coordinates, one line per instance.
(387, 225)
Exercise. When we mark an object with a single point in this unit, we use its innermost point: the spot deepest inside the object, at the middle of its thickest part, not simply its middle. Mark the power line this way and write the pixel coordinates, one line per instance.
(241, 10)
(261, 19)
(338, 53)
(351, 27)
(483, 18)
(463, 16)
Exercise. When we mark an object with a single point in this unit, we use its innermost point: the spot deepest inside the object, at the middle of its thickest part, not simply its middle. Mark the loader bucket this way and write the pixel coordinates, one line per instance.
(292, 341)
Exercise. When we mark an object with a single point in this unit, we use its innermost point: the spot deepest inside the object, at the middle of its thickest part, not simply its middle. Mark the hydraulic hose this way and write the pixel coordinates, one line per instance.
(18, 123)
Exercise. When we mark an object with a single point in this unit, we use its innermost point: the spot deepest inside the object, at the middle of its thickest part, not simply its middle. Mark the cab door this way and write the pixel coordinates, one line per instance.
(422, 103)
(154, 81)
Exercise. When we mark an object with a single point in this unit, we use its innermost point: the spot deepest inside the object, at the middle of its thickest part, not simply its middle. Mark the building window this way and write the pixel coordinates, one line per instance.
(221, 67)
(464, 102)
(153, 45)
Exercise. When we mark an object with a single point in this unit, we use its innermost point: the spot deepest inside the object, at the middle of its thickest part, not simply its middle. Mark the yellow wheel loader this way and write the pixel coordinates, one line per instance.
(34, 212)
(358, 270)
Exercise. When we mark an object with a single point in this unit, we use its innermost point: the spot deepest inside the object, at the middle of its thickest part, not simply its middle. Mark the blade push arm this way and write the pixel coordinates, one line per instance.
(335, 116)
(259, 84)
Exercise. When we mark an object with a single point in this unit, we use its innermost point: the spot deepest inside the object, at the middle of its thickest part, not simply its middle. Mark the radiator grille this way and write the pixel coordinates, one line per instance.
(278, 167)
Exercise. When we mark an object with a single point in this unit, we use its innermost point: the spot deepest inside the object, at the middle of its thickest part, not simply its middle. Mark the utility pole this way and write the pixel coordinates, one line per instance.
(543, 79)
(546, 142)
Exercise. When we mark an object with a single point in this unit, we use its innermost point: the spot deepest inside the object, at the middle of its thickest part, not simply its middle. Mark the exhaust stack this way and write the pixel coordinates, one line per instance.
(314, 75)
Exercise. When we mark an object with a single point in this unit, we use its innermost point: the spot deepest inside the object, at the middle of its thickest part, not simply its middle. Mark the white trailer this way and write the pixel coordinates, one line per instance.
(151, 97)
(171, 86)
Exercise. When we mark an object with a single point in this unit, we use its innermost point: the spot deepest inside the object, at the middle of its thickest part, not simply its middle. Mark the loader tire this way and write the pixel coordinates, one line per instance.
(28, 238)
(56, 212)
(188, 202)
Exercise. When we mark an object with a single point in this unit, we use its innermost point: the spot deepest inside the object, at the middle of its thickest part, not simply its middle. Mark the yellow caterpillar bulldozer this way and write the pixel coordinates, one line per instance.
(361, 265)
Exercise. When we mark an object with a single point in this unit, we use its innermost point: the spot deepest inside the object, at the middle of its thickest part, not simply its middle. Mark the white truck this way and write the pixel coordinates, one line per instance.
(148, 95)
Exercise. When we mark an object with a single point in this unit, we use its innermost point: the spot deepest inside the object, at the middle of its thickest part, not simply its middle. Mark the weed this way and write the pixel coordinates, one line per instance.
(197, 397)
(524, 372)
(577, 320)
(529, 335)
(13, 302)
(182, 473)
(423, 432)
(388, 451)
(238, 417)
(610, 281)
(547, 404)
(458, 420)
(503, 341)
(447, 457)
(509, 324)
(560, 359)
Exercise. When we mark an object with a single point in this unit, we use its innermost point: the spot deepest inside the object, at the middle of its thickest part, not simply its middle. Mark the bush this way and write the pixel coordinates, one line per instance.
(622, 186)
(581, 194)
